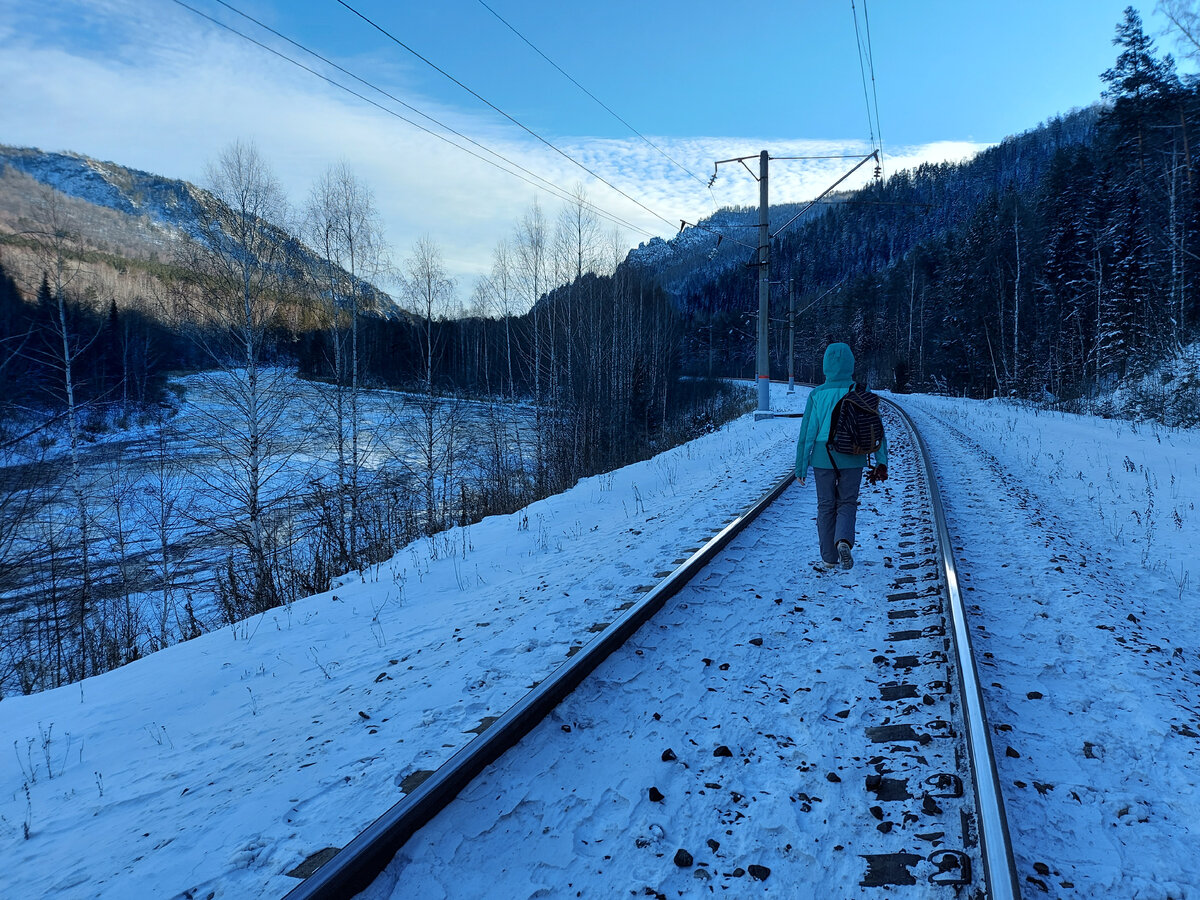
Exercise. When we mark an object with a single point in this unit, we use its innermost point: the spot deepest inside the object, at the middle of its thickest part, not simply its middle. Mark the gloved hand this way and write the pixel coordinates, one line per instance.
(877, 473)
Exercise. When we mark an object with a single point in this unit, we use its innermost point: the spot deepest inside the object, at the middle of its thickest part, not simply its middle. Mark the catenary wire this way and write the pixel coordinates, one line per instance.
(863, 72)
(873, 155)
(390, 96)
(545, 185)
(604, 105)
(493, 106)
(874, 90)
(844, 156)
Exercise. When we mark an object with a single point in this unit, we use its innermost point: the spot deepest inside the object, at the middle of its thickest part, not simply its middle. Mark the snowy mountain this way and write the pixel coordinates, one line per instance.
(157, 211)
(728, 239)
(166, 201)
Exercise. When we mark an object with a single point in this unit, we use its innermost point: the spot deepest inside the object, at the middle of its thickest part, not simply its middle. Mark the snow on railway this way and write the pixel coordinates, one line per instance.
(727, 744)
(1076, 544)
(220, 764)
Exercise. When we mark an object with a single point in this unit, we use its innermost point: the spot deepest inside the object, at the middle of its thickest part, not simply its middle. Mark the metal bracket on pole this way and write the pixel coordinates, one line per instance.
(763, 367)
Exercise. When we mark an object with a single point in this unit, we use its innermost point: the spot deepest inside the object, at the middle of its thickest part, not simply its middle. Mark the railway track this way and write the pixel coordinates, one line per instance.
(739, 725)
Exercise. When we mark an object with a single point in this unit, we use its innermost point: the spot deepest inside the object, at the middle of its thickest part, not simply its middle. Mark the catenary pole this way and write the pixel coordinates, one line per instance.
(791, 335)
(763, 371)
(764, 290)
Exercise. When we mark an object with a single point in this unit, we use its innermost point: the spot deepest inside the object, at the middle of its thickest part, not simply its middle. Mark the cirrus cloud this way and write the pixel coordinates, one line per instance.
(154, 87)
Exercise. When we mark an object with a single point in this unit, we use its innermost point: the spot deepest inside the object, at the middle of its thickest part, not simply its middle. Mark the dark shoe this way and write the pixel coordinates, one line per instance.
(843, 549)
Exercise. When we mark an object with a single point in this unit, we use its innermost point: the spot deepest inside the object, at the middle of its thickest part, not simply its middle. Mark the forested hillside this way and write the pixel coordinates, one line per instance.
(1057, 263)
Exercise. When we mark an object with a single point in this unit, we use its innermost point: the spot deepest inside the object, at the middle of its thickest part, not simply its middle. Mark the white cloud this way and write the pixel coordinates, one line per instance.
(164, 91)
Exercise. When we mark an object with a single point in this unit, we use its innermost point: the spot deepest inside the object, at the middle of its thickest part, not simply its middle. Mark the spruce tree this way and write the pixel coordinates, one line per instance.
(1137, 74)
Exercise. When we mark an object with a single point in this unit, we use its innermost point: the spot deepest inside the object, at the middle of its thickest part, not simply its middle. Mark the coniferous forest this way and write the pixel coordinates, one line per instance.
(1057, 264)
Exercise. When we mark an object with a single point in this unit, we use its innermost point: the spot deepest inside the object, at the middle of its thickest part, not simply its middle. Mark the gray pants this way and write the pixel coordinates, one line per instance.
(837, 507)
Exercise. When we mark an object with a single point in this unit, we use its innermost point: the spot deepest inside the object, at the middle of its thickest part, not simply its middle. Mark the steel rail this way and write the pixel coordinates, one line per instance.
(1000, 871)
(362, 860)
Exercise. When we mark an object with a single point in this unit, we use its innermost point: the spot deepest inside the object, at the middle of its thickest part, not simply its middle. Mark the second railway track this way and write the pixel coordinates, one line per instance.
(771, 730)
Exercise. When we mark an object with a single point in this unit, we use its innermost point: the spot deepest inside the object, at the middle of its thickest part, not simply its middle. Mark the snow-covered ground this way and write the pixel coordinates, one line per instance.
(183, 476)
(1076, 540)
(216, 766)
(725, 747)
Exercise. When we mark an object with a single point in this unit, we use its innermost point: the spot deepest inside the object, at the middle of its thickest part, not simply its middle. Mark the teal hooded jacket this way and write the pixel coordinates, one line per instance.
(814, 427)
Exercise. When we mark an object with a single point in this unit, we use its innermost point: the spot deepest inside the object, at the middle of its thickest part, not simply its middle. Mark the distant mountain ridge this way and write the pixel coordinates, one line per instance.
(170, 207)
(941, 197)
(167, 201)
(1060, 262)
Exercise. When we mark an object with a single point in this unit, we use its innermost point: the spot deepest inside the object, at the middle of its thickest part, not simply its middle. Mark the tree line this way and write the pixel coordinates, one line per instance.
(1058, 264)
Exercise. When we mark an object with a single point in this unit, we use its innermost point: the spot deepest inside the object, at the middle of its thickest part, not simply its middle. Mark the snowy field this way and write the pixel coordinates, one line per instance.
(216, 766)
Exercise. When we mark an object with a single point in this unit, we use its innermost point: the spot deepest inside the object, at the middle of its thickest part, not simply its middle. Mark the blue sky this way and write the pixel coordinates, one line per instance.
(945, 69)
(149, 84)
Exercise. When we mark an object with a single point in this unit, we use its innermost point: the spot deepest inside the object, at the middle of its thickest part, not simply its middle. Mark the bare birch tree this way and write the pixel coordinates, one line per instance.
(1184, 16)
(242, 275)
(428, 290)
(531, 254)
(343, 225)
(578, 221)
(504, 297)
(59, 249)
(576, 244)
(161, 500)
(118, 631)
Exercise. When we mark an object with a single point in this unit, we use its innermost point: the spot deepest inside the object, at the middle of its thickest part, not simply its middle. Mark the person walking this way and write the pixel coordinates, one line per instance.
(838, 476)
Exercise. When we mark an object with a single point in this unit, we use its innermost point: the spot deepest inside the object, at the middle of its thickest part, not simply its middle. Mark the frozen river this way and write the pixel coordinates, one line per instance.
(166, 501)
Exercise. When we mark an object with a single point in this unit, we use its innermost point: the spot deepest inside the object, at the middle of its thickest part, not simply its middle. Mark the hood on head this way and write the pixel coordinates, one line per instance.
(839, 362)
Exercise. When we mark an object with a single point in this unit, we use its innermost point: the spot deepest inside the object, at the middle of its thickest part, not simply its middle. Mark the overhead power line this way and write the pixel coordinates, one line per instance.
(874, 89)
(545, 184)
(863, 72)
(603, 105)
(842, 156)
(874, 155)
(866, 53)
(742, 161)
(497, 109)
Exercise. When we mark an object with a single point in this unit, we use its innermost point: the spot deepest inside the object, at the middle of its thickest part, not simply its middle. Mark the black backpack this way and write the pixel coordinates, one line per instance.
(855, 427)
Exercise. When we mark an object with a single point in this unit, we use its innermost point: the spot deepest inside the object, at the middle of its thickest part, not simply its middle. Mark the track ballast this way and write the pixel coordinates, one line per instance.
(771, 730)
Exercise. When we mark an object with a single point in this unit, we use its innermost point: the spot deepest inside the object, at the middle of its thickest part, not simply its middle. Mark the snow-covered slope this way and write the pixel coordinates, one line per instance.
(218, 765)
(1167, 393)
(702, 251)
(167, 201)
(171, 206)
